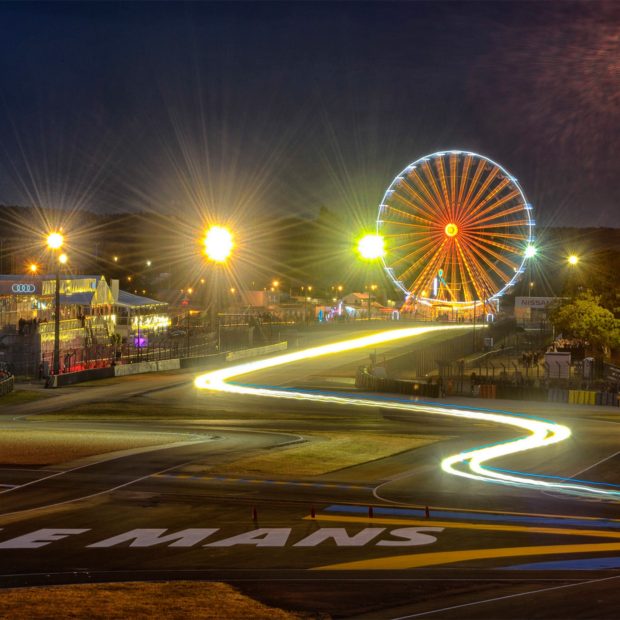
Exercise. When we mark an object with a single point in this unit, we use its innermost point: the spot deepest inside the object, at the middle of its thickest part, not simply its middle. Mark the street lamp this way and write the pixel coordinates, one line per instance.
(218, 246)
(371, 247)
(218, 243)
(54, 242)
(571, 281)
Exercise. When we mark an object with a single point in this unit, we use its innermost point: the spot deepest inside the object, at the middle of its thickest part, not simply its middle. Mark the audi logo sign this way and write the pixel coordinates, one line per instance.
(23, 288)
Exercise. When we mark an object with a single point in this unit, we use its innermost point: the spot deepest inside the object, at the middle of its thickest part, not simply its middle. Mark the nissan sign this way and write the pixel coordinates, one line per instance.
(533, 302)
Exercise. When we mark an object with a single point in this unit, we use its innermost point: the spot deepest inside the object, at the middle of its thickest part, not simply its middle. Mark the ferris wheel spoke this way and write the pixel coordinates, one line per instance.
(453, 167)
(495, 243)
(413, 256)
(511, 224)
(486, 248)
(468, 265)
(432, 210)
(411, 253)
(482, 251)
(407, 215)
(430, 180)
(397, 239)
(504, 235)
(456, 282)
(473, 184)
(483, 285)
(424, 261)
(476, 207)
(469, 286)
(492, 212)
(481, 189)
(444, 186)
(426, 276)
(463, 178)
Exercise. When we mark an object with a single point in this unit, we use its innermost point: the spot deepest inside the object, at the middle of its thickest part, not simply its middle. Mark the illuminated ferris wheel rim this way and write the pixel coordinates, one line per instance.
(530, 226)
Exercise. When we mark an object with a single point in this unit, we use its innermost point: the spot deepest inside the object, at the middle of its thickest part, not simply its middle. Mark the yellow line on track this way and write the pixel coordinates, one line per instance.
(492, 527)
(419, 560)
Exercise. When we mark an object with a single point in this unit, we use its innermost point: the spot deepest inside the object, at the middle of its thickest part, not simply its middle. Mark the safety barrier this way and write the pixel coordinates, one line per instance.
(233, 356)
(70, 378)
(582, 397)
(7, 385)
(557, 395)
(521, 392)
(365, 380)
(122, 370)
(609, 399)
(488, 391)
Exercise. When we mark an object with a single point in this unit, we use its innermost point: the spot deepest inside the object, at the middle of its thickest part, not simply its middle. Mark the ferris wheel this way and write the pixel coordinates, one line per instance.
(457, 228)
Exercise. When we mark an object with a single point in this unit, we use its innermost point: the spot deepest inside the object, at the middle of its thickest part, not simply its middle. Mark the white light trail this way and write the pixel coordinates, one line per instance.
(468, 464)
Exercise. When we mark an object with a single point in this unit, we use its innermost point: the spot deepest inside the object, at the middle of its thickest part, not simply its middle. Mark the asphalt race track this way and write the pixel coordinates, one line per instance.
(528, 529)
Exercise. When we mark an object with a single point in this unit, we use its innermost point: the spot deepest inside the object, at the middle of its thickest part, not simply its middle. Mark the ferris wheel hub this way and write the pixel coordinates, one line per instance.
(451, 229)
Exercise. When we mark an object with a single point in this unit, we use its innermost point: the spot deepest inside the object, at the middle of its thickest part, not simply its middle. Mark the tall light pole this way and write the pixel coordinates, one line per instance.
(571, 284)
(371, 247)
(54, 242)
(372, 287)
(530, 253)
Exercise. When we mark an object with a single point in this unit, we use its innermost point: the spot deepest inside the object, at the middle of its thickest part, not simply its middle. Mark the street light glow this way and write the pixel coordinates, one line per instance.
(33, 268)
(371, 247)
(55, 240)
(530, 251)
(573, 260)
(218, 243)
(62, 259)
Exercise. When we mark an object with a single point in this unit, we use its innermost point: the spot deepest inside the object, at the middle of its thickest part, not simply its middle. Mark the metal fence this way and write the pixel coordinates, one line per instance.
(7, 384)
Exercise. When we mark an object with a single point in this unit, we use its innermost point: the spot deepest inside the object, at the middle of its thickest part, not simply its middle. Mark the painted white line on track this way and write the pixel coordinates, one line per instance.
(504, 598)
(581, 471)
(106, 491)
(105, 460)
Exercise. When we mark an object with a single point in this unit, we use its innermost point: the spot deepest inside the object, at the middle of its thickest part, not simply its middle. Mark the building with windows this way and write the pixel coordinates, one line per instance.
(95, 318)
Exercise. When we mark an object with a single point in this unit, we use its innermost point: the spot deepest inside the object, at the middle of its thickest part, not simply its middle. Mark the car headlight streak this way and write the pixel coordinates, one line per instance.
(467, 464)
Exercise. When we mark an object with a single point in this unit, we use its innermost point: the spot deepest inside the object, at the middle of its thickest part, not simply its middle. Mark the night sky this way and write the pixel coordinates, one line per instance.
(275, 108)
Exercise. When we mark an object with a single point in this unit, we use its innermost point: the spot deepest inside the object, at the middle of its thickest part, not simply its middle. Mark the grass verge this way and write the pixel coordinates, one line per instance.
(327, 453)
(17, 397)
(170, 600)
(32, 447)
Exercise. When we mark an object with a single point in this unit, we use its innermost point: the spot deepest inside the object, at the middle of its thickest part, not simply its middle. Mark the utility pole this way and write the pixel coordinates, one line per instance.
(56, 359)
(474, 332)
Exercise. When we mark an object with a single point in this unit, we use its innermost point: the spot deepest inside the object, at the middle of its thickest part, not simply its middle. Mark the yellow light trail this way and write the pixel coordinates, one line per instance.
(468, 464)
